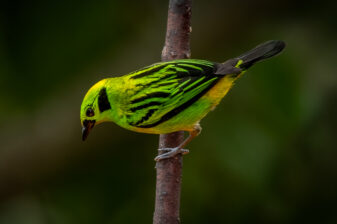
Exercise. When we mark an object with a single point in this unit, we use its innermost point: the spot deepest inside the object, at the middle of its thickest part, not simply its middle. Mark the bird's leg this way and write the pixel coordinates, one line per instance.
(171, 152)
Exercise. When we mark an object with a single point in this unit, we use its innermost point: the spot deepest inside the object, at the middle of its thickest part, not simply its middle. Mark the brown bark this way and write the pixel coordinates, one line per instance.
(168, 186)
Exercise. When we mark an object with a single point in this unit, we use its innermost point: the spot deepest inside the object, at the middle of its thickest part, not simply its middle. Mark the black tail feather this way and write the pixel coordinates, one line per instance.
(262, 51)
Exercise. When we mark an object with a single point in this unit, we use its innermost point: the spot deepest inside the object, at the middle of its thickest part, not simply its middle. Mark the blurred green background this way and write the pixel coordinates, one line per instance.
(267, 154)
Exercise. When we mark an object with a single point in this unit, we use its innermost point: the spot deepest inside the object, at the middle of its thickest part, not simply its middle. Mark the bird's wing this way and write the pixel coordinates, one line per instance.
(165, 89)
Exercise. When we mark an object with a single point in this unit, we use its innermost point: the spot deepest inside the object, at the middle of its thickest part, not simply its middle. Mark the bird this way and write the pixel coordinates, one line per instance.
(168, 96)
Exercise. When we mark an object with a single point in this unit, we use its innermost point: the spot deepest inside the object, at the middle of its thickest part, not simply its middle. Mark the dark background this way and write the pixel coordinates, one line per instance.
(267, 154)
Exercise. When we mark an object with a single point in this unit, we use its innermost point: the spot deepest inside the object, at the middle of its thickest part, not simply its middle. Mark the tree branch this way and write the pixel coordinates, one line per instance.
(168, 186)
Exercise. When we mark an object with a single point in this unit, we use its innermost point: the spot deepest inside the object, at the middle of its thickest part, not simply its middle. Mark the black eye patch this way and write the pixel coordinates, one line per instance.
(103, 102)
(90, 112)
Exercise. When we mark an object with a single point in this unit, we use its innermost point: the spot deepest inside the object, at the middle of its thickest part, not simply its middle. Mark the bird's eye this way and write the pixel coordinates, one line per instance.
(90, 112)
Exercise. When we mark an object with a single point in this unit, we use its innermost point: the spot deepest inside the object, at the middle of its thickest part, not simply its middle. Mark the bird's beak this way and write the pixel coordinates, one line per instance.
(87, 126)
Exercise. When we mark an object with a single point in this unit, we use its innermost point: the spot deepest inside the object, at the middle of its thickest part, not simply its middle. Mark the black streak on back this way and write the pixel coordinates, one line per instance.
(179, 109)
(149, 72)
(144, 118)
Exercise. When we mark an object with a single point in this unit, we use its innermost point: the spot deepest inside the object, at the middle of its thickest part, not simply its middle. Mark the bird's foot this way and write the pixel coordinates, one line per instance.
(184, 151)
(170, 152)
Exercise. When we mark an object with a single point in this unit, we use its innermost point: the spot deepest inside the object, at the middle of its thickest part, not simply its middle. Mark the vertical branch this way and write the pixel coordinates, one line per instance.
(177, 41)
(168, 186)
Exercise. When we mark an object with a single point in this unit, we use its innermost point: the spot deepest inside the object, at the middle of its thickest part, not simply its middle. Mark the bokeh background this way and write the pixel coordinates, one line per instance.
(267, 154)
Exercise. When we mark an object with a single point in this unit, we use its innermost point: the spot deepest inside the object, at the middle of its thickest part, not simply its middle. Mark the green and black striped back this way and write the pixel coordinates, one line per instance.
(165, 89)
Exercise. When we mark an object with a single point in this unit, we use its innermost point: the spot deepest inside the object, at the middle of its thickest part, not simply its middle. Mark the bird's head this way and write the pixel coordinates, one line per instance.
(94, 107)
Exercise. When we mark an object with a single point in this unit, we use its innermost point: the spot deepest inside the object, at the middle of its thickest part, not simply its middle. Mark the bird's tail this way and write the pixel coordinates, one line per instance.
(261, 52)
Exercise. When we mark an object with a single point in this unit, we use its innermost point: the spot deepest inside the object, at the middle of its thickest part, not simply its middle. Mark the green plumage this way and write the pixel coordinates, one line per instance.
(163, 90)
(167, 96)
